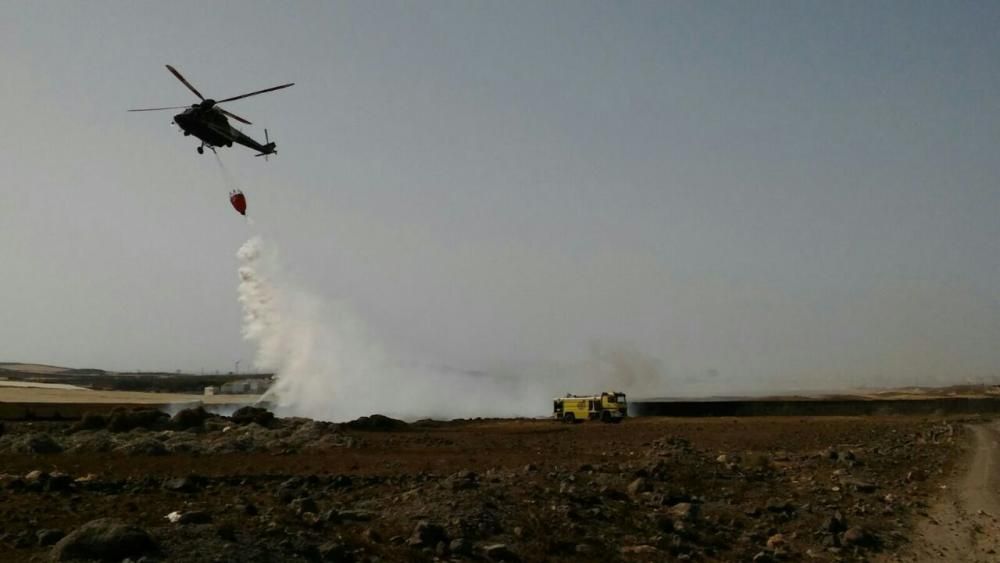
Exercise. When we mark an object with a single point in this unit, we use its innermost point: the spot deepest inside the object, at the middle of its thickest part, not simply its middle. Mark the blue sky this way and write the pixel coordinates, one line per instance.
(789, 193)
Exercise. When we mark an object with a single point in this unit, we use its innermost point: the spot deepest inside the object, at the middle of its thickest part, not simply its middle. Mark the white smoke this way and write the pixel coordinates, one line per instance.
(328, 367)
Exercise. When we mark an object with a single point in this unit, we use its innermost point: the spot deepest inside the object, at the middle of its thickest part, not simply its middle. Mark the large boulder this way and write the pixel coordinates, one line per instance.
(49, 537)
(105, 539)
(857, 536)
(426, 534)
(248, 415)
(189, 418)
(124, 420)
(499, 552)
(376, 422)
(90, 421)
(38, 443)
(188, 484)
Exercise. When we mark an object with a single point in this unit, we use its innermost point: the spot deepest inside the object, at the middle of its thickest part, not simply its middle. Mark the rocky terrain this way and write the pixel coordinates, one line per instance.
(143, 486)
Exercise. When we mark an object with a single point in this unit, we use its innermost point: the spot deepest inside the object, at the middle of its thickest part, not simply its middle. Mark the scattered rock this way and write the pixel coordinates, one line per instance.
(462, 480)
(49, 537)
(355, 515)
(194, 517)
(188, 484)
(426, 534)
(777, 506)
(143, 446)
(226, 531)
(776, 541)
(304, 504)
(290, 489)
(335, 552)
(341, 482)
(639, 550)
(460, 546)
(835, 524)
(682, 502)
(684, 511)
(859, 485)
(856, 536)
(664, 522)
(105, 539)
(59, 481)
(498, 552)
(639, 486)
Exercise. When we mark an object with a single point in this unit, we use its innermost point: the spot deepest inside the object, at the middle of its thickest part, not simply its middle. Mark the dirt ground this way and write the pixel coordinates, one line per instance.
(962, 524)
(650, 489)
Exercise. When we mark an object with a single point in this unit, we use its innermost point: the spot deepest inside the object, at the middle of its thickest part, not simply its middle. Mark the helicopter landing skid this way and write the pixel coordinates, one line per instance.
(201, 149)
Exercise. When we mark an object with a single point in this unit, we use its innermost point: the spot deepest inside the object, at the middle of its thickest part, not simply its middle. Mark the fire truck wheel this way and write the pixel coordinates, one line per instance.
(568, 418)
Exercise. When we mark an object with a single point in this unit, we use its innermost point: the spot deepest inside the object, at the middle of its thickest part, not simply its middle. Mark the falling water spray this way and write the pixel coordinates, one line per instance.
(329, 367)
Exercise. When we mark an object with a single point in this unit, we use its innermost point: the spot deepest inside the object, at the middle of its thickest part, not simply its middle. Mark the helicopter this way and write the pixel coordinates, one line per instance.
(207, 121)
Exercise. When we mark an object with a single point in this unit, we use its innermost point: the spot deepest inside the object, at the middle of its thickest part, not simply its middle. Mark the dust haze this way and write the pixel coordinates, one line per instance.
(331, 364)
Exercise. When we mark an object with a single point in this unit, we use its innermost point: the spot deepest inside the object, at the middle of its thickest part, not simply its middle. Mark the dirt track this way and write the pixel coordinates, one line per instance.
(964, 524)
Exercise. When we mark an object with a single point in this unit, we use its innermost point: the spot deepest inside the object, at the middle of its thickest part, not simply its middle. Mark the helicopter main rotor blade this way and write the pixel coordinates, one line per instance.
(234, 116)
(184, 80)
(159, 109)
(257, 92)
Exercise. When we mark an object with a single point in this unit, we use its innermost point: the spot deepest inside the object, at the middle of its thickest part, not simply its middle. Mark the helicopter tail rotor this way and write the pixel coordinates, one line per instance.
(268, 148)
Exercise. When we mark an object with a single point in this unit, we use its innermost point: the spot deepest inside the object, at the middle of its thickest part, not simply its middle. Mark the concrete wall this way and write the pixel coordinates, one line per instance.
(804, 407)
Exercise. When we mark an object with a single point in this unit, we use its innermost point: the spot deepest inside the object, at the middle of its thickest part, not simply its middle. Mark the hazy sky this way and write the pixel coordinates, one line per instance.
(787, 193)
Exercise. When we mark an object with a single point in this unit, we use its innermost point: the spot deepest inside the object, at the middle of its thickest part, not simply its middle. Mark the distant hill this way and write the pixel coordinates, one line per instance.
(38, 369)
(99, 379)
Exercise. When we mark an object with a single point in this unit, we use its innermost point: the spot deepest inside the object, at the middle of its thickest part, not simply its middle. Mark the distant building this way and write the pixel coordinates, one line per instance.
(245, 387)
(209, 391)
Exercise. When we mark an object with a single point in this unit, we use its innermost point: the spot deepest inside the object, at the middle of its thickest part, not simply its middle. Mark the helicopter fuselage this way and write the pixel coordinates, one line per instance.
(212, 127)
(209, 122)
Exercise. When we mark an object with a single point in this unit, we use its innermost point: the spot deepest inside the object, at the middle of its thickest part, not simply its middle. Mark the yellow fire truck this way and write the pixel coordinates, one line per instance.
(606, 407)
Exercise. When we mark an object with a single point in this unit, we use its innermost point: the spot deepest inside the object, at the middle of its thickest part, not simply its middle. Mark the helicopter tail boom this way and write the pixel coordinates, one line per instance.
(268, 147)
